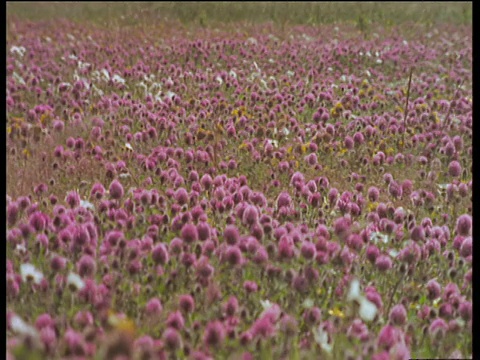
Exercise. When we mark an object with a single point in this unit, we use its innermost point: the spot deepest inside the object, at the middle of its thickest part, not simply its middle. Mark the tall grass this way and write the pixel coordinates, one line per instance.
(212, 13)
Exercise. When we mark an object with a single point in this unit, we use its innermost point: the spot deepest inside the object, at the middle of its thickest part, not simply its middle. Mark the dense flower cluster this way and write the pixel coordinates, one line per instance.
(262, 191)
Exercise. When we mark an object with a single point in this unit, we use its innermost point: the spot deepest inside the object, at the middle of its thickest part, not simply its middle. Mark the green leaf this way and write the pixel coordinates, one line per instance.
(266, 352)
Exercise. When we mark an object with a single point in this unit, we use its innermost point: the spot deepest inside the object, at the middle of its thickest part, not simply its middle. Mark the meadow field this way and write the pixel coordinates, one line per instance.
(239, 181)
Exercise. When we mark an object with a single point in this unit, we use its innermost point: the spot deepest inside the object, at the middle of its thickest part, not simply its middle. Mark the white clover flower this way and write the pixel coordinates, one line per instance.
(290, 73)
(87, 205)
(266, 304)
(376, 236)
(393, 253)
(20, 249)
(29, 272)
(21, 327)
(308, 303)
(18, 78)
(368, 310)
(105, 74)
(118, 79)
(171, 94)
(75, 281)
(321, 338)
(155, 86)
(219, 80)
(19, 50)
(354, 291)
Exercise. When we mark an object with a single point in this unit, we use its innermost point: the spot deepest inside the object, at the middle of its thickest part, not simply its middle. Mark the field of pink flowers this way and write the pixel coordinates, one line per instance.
(238, 192)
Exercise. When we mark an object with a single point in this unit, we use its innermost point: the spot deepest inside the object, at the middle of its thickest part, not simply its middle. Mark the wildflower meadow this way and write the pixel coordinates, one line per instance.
(195, 189)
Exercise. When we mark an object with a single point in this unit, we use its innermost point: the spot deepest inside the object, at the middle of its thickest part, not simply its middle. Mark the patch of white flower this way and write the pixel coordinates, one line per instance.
(118, 79)
(74, 280)
(393, 253)
(321, 338)
(19, 50)
(274, 143)
(83, 65)
(266, 304)
(354, 291)
(308, 303)
(20, 249)
(87, 205)
(29, 272)
(377, 237)
(367, 310)
(105, 74)
(21, 327)
(171, 94)
(18, 78)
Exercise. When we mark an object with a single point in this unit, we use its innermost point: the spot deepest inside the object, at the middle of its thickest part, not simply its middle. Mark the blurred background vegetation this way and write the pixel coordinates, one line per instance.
(214, 13)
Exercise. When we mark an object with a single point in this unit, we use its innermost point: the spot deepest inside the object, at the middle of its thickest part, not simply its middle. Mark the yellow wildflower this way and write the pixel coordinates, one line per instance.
(372, 206)
(121, 322)
(336, 312)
